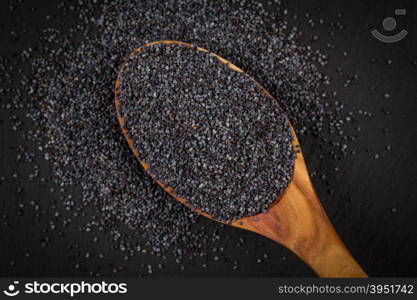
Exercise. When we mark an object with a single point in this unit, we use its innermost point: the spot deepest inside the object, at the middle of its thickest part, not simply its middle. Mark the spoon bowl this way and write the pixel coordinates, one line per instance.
(296, 219)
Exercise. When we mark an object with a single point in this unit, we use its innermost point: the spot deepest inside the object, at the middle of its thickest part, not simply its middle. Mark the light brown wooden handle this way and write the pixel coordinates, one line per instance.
(298, 221)
(301, 225)
(314, 240)
(329, 257)
(317, 242)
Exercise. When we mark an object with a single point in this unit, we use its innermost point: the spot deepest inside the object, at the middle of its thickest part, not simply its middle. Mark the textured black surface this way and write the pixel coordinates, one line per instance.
(372, 202)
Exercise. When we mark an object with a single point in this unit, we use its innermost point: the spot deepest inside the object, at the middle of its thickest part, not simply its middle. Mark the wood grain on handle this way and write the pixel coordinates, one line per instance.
(296, 219)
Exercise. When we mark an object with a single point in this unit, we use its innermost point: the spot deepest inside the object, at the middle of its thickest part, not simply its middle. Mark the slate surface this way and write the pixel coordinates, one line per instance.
(371, 202)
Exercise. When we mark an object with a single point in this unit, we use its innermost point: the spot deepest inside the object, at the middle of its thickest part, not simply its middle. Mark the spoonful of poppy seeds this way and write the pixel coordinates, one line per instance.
(218, 142)
(210, 134)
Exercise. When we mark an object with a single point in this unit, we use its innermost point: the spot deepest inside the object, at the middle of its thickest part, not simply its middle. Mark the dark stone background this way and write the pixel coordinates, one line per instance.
(371, 202)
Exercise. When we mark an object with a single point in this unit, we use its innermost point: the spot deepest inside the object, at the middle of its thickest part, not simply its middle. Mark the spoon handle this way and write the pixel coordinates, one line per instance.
(307, 231)
(329, 257)
(314, 238)
(298, 221)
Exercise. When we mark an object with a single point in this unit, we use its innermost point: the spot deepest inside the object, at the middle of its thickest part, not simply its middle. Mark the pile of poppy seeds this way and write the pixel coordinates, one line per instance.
(208, 132)
(235, 129)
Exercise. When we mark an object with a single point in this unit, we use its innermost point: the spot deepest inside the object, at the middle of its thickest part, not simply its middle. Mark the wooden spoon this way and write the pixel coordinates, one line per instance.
(296, 219)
